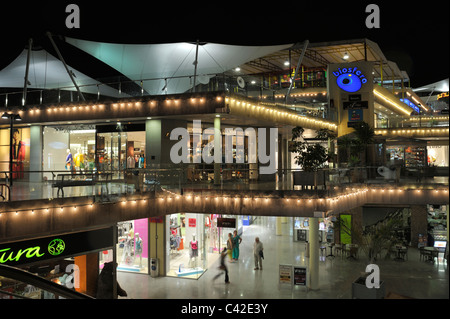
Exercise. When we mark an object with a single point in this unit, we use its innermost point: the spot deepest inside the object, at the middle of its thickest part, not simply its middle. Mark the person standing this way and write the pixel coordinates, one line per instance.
(236, 241)
(230, 247)
(258, 253)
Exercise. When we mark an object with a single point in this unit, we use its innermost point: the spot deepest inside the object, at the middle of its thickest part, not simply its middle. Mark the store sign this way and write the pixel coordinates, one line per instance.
(411, 105)
(41, 249)
(226, 222)
(356, 105)
(350, 79)
(192, 222)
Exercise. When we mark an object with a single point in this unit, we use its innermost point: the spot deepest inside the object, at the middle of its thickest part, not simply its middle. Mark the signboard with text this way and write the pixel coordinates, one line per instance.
(226, 222)
(57, 246)
(285, 274)
(300, 276)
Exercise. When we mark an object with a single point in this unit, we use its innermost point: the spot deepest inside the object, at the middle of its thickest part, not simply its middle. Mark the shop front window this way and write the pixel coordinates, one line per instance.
(187, 245)
(132, 247)
(69, 148)
(301, 229)
(438, 155)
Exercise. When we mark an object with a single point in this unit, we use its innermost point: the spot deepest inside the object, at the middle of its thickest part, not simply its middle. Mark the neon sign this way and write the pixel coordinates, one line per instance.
(350, 79)
(28, 252)
(45, 248)
(55, 247)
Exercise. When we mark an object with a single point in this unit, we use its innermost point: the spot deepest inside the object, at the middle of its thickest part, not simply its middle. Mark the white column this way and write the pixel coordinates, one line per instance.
(217, 146)
(313, 253)
(278, 231)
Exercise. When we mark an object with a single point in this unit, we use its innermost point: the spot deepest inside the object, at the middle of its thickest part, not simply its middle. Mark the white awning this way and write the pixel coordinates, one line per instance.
(48, 72)
(441, 86)
(172, 61)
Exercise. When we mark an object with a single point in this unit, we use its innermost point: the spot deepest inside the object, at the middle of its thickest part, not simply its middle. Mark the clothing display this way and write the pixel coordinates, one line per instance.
(194, 249)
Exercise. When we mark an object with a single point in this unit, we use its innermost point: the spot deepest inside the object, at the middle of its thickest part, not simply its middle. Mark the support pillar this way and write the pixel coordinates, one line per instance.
(157, 246)
(217, 146)
(36, 153)
(313, 253)
(278, 231)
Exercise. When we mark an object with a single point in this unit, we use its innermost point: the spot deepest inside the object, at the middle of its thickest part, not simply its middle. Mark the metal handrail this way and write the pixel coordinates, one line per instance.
(39, 282)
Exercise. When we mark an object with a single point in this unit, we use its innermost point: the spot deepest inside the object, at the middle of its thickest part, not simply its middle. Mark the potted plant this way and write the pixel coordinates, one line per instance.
(371, 243)
(311, 156)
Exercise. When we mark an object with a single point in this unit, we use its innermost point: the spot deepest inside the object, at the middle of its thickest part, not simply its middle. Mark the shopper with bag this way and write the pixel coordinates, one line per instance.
(258, 253)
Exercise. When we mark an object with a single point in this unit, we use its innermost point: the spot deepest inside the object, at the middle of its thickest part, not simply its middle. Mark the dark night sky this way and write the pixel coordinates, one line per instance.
(415, 37)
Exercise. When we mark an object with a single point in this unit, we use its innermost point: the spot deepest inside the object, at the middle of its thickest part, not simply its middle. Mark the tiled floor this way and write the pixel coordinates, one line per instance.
(411, 278)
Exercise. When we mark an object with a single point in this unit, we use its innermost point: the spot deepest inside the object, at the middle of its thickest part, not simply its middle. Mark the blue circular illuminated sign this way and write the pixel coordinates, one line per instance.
(349, 83)
(350, 79)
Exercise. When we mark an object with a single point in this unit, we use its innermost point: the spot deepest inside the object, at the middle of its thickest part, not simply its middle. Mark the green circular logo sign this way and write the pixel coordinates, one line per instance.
(56, 247)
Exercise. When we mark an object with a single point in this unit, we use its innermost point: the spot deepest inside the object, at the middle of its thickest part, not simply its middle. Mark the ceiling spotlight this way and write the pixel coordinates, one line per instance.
(346, 56)
(237, 69)
(286, 63)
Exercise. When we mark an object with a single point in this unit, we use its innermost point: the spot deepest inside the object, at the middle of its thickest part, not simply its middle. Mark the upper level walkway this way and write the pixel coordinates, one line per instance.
(35, 209)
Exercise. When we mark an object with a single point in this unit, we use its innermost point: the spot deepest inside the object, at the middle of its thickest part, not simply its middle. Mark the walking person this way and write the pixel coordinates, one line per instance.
(258, 253)
(230, 247)
(223, 267)
(236, 241)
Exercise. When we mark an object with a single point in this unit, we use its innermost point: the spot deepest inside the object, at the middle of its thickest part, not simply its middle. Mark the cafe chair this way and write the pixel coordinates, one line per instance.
(404, 253)
(424, 254)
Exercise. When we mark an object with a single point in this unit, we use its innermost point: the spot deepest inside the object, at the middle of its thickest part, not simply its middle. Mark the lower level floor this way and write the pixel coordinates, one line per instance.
(413, 277)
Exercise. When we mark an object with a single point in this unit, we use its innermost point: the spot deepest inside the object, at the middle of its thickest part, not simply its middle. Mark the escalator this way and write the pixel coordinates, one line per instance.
(16, 283)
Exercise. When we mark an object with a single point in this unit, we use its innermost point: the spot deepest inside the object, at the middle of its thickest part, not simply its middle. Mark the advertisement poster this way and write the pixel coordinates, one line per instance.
(285, 274)
(300, 276)
(20, 151)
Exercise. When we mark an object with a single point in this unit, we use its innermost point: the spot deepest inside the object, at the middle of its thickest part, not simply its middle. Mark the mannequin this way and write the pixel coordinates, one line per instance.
(130, 162)
(69, 160)
(79, 160)
(127, 249)
(138, 248)
(193, 252)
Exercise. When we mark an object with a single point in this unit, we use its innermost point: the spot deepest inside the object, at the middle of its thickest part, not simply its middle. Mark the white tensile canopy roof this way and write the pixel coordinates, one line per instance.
(172, 61)
(163, 68)
(440, 86)
(48, 72)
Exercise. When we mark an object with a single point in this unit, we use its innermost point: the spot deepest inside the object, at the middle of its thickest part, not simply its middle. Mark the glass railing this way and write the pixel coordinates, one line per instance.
(123, 88)
(422, 121)
(231, 178)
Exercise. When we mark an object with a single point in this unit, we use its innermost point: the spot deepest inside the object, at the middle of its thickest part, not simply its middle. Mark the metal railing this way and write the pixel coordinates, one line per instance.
(180, 179)
(20, 284)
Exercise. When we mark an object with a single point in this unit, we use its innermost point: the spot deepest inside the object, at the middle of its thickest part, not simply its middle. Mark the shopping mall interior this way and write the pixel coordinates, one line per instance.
(322, 150)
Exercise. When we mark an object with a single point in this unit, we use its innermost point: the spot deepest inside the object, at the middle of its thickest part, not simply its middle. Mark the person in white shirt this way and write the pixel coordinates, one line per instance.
(258, 253)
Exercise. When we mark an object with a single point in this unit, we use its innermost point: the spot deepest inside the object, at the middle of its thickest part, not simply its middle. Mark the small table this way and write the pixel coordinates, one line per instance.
(352, 251)
(331, 250)
(434, 253)
(399, 248)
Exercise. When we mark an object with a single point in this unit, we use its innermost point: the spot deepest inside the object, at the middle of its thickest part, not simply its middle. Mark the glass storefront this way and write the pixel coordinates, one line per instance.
(132, 246)
(92, 148)
(194, 242)
(301, 229)
(438, 155)
(187, 253)
(437, 225)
